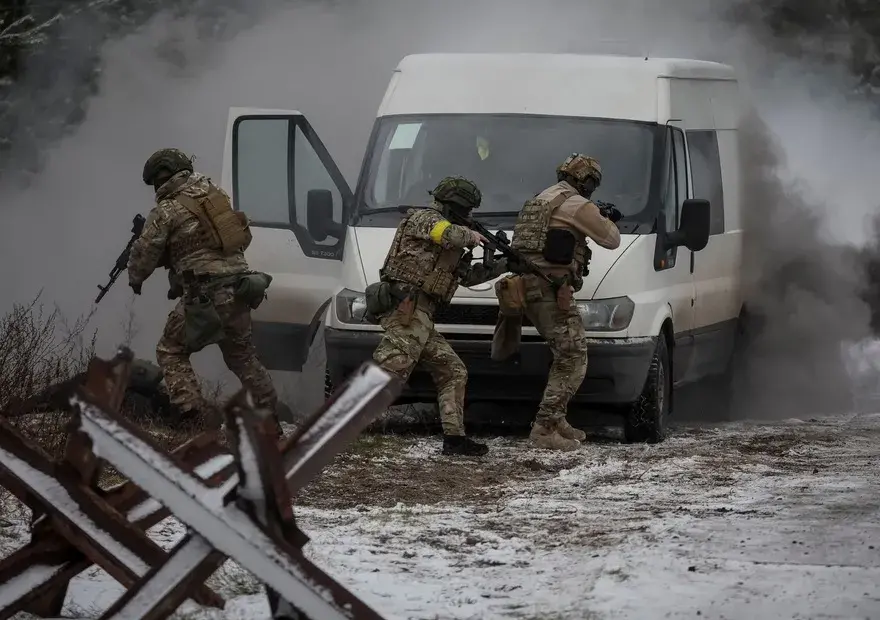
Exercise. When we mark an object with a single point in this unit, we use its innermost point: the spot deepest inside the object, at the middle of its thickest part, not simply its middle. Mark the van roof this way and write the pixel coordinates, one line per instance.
(572, 85)
(528, 62)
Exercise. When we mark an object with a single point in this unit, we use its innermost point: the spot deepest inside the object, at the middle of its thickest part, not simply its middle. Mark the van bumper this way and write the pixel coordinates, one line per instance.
(616, 371)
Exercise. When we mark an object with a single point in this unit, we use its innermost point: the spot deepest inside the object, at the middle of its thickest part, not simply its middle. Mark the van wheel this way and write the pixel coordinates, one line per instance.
(647, 418)
(329, 388)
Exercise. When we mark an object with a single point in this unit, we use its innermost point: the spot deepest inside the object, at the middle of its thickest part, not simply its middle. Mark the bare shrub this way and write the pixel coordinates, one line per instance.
(39, 349)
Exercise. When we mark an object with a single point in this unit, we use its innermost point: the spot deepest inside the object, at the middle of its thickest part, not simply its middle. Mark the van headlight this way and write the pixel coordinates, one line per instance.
(351, 306)
(606, 315)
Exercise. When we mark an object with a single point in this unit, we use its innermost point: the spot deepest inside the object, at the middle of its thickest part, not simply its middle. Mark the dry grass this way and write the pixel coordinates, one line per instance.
(39, 349)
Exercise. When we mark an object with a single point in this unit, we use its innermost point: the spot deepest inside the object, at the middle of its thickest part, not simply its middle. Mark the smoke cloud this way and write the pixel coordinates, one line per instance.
(806, 155)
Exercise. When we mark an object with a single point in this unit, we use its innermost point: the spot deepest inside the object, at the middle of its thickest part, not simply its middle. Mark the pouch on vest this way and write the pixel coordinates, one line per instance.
(226, 229)
(202, 324)
(379, 300)
(559, 246)
(251, 289)
(511, 295)
(588, 255)
(533, 290)
(507, 337)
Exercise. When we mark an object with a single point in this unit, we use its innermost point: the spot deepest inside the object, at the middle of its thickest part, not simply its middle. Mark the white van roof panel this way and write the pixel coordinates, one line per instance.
(527, 83)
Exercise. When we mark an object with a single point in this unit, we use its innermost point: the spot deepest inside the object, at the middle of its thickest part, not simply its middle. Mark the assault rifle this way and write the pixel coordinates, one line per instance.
(499, 242)
(137, 227)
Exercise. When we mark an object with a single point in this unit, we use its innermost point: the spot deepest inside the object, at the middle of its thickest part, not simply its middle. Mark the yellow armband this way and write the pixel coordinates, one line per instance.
(438, 230)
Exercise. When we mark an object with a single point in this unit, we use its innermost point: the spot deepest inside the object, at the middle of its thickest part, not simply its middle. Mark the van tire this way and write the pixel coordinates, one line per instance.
(647, 418)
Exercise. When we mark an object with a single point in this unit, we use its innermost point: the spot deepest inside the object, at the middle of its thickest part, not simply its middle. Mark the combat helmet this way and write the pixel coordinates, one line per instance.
(579, 168)
(457, 191)
(170, 160)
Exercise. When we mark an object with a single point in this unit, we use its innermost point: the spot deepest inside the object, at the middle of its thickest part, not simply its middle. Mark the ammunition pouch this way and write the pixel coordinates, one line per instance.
(250, 289)
(588, 255)
(534, 289)
(380, 300)
(175, 288)
(202, 324)
(559, 246)
(511, 294)
(440, 284)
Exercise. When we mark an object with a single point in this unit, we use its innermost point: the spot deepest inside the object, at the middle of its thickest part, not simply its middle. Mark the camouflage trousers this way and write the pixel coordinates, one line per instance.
(564, 332)
(404, 346)
(238, 352)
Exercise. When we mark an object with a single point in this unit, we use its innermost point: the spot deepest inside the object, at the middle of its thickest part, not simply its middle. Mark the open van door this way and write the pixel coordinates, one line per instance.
(279, 173)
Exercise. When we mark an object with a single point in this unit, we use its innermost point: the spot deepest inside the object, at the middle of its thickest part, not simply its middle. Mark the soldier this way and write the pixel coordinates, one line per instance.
(193, 232)
(423, 269)
(551, 231)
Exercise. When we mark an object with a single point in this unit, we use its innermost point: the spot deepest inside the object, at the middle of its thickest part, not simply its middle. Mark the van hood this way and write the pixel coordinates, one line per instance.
(373, 244)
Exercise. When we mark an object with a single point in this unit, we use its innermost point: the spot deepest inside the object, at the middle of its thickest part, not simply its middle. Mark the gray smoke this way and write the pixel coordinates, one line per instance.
(168, 84)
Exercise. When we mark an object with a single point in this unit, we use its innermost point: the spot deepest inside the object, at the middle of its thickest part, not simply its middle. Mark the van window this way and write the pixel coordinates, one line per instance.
(679, 170)
(510, 158)
(308, 174)
(676, 186)
(395, 160)
(706, 165)
(266, 169)
(261, 170)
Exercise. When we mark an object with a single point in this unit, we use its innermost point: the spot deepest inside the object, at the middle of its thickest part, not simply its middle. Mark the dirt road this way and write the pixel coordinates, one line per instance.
(738, 521)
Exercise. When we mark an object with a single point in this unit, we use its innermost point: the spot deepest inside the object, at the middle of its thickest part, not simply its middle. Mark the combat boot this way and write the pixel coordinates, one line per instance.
(465, 446)
(545, 435)
(568, 431)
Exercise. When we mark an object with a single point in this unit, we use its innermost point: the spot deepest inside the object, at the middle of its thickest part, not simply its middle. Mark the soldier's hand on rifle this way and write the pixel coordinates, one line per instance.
(135, 287)
(612, 213)
(478, 239)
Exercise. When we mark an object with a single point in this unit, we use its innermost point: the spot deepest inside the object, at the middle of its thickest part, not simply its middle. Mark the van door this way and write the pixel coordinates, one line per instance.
(675, 267)
(278, 172)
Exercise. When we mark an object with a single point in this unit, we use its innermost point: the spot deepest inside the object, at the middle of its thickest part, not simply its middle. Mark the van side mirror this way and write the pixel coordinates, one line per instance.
(319, 215)
(693, 232)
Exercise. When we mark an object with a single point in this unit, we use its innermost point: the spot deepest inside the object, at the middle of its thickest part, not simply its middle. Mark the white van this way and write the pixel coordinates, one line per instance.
(660, 311)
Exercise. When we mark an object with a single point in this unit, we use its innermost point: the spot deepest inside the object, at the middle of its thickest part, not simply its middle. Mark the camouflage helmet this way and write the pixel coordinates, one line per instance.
(458, 191)
(172, 160)
(580, 167)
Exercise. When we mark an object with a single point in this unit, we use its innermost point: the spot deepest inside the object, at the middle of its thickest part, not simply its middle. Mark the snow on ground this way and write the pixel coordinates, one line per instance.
(747, 521)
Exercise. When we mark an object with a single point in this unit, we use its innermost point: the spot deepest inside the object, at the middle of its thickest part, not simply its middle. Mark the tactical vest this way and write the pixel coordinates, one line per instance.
(220, 227)
(532, 224)
(440, 281)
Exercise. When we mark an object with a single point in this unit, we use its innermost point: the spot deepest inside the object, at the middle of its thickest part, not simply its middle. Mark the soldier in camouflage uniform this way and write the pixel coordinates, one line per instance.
(551, 231)
(218, 290)
(423, 270)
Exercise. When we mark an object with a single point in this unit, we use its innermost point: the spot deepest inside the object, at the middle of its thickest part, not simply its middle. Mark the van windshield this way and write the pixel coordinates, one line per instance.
(510, 158)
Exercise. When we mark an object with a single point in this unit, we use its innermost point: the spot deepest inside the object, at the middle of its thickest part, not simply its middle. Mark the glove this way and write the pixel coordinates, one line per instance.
(613, 214)
(135, 287)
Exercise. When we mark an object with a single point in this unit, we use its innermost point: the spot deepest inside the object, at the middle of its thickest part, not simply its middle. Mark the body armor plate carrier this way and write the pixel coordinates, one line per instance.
(530, 233)
(440, 282)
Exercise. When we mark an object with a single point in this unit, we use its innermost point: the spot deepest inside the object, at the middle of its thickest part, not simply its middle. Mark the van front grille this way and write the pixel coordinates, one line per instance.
(462, 314)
